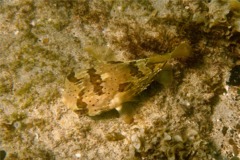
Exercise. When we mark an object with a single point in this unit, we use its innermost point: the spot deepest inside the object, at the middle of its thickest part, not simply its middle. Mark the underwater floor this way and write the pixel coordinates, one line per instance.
(68, 67)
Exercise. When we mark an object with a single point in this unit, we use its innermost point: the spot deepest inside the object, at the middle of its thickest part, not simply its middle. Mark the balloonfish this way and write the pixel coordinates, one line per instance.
(109, 84)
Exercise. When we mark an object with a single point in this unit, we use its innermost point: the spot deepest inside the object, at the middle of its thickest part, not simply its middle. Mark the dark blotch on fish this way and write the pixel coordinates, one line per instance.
(125, 86)
(134, 70)
(71, 77)
(96, 80)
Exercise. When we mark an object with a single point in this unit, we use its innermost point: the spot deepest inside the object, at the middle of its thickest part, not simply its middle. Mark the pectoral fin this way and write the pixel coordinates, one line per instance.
(184, 50)
(165, 77)
(127, 111)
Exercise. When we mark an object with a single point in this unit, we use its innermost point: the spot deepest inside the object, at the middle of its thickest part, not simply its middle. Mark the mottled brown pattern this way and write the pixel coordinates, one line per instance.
(125, 86)
(151, 66)
(71, 77)
(96, 80)
(80, 104)
(108, 85)
(134, 70)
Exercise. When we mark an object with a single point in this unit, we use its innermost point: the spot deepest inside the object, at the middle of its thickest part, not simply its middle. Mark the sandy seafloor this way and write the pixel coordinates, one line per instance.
(197, 117)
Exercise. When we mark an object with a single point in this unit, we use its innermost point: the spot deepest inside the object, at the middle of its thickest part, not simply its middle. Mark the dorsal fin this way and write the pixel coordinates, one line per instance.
(100, 53)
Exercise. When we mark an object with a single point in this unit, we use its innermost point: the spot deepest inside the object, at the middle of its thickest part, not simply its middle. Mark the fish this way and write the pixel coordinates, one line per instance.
(107, 85)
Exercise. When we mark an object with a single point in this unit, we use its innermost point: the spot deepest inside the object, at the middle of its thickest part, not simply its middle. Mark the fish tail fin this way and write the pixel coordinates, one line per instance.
(184, 50)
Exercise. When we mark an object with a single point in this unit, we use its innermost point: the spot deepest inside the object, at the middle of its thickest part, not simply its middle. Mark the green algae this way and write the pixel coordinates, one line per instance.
(16, 117)
(4, 88)
(27, 103)
(24, 89)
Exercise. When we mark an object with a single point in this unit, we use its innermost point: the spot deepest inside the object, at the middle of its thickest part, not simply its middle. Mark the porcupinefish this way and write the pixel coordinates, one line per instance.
(109, 84)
